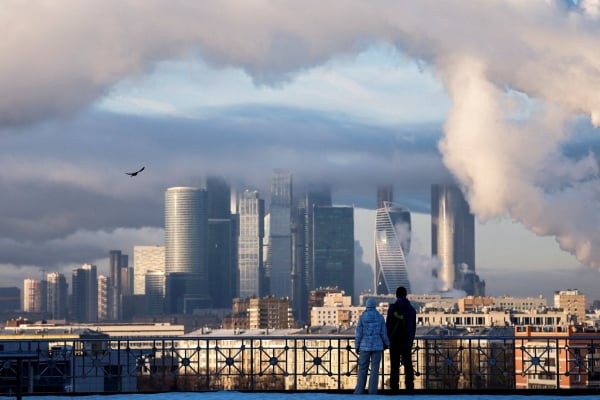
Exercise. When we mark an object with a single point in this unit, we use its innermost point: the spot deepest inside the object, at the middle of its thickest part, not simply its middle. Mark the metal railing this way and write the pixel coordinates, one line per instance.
(307, 362)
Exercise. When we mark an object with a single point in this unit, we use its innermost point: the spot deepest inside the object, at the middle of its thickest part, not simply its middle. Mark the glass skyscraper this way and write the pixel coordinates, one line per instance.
(392, 244)
(333, 248)
(57, 295)
(222, 244)
(186, 258)
(84, 299)
(280, 235)
(251, 210)
(453, 239)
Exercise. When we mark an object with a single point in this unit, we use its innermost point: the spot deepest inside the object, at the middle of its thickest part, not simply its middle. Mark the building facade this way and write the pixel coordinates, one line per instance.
(333, 247)
(222, 244)
(250, 244)
(280, 235)
(573, 303)
(453, 240)
(186, 245)
(34, 295)
(392, 244)
(146, 258)
(84, 299)
(57, 295)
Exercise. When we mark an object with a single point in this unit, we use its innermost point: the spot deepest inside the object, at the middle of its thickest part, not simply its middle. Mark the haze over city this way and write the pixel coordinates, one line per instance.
(498, 96)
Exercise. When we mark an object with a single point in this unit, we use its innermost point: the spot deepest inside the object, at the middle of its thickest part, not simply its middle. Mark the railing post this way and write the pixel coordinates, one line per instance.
(295, 363)
(558, 360)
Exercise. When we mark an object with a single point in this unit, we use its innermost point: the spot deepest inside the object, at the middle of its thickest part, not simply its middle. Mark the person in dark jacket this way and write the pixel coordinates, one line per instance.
(370, 341)
(401, 323)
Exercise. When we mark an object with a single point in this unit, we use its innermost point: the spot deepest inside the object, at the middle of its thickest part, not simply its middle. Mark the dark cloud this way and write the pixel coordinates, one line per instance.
(62, 179)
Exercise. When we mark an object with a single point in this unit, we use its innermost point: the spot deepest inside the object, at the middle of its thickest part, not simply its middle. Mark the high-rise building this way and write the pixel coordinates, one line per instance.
(392, 244)
(105, 298)
(333, 247)
(84, 299)
(302, 246)
(280, 234)
(34, 295)
(250, 244)
(222, 244)
(385, 194)
(118, 285)
(186, 249)
(155, 292)
(57, 295)
(146, 258)
(453, 240)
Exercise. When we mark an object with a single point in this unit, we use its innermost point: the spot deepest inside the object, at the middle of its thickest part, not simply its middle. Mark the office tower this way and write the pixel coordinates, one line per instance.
(333, 247)
(222, 244)
(266, 254)
(302, 269)
(280, 234)
(155, 292)
(120, 284)
(186, 241)
(84, 298)
(10, 299)
(115, 265)
(392, 244)
(250, 244)
(33, 295)
(453, 240)
(385, 194)
(126, 282)
(105, 298)
(146, 258)
(57, 295)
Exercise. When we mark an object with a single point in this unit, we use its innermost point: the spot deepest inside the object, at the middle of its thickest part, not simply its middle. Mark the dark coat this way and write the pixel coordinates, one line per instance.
(403, 307)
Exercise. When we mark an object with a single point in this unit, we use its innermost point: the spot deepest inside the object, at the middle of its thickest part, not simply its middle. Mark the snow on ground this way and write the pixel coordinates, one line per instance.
(232, 395)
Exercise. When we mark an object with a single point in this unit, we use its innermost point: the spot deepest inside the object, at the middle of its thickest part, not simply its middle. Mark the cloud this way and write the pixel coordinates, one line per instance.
(61, 57)
(60, 179)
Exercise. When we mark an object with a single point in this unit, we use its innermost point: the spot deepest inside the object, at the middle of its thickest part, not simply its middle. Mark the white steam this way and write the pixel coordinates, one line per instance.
(518, 72)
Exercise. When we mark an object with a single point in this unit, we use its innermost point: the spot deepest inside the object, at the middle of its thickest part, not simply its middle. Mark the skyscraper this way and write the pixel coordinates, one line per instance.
(333, 247)
(146, 258)
(34, 293)
(222, 244)
(84, 299)
(453, 239)
(105, 298)
(250, 244)
(117, 285)
(392, 244)
(186, 255)
(57, 295)
(280, 239)
(302, 245)
(155, 292)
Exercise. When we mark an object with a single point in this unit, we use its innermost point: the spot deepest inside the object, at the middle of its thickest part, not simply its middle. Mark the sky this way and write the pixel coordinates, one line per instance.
(500, 97)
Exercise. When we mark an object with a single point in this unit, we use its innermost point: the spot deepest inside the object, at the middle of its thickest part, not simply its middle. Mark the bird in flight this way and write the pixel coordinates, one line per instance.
(132, 174)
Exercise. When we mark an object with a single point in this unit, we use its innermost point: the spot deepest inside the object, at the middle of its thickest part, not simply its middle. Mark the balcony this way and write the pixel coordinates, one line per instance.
(301, 363)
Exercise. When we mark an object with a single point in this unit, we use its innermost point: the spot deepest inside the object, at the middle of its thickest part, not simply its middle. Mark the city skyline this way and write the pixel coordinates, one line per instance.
(383, 101)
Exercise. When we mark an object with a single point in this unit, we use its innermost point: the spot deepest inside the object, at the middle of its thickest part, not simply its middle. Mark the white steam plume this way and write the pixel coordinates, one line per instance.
(518, 73)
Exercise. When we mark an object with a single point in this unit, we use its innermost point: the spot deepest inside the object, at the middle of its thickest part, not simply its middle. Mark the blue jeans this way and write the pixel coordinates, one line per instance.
(365, 358)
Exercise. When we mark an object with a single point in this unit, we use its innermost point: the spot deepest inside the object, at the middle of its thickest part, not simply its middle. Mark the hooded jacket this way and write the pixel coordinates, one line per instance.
(371, 333)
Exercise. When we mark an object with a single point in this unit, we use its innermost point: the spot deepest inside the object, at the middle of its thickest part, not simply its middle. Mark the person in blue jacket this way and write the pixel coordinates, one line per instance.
(370, 340)
(401, 322)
